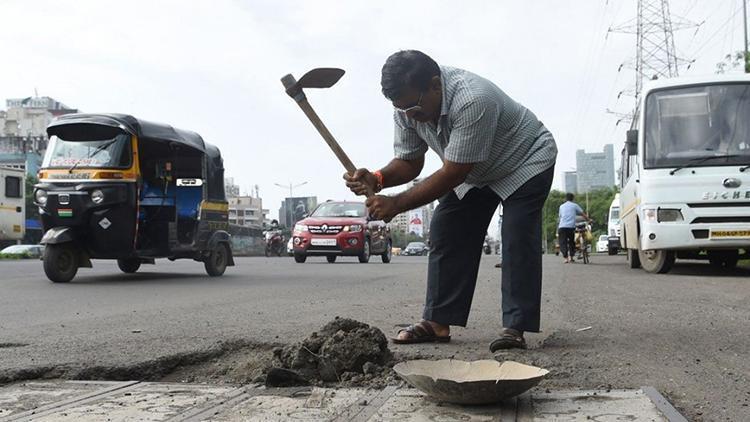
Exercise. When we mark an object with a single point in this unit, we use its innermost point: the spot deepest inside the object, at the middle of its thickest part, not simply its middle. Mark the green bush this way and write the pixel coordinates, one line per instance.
(15, 256)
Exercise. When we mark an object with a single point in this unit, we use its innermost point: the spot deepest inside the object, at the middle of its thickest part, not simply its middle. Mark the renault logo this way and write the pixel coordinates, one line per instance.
(732, 183)
(324, 227)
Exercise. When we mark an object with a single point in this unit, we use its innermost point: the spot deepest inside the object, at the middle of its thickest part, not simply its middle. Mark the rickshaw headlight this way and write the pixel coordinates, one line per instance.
(97, 196)
(41, 197)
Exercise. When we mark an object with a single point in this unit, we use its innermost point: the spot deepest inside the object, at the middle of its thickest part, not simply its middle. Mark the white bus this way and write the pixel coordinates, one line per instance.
(613, 227)
(12, 205)
(686, 173)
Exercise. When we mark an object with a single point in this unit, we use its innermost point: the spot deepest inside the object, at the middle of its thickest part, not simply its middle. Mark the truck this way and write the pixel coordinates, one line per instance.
(685, 173)
(613, 226)
(12, 205)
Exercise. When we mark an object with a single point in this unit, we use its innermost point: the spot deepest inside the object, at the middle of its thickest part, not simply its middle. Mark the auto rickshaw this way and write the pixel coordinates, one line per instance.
(115, 187)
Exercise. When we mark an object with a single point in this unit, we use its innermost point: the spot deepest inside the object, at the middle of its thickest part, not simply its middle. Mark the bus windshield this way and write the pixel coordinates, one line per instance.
(703, 125)
(114, 153)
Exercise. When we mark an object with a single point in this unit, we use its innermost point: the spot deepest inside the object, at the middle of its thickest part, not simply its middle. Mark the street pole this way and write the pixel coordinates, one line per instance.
(291, 187)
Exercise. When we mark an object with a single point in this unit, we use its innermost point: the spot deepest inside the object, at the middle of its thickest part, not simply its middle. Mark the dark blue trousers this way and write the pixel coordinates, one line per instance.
(457, 234)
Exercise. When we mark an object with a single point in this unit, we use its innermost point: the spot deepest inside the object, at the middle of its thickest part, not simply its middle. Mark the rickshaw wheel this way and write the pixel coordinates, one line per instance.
(60, 263)
(217, 260)
(129, 266)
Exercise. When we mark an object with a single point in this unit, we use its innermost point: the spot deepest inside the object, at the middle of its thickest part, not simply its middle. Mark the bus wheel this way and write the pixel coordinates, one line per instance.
(656, 261)
(60, 262)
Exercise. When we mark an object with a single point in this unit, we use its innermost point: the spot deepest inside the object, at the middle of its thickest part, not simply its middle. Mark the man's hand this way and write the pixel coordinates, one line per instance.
(361, 182)
(382, 207)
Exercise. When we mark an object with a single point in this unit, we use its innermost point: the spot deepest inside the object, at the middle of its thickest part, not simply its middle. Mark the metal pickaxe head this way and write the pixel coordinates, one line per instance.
(322, 77)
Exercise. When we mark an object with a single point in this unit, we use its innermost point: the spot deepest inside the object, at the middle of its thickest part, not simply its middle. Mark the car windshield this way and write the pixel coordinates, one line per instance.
(603, 238)
(415, 245)
(692, 125)
(113, 152)
(340, 209)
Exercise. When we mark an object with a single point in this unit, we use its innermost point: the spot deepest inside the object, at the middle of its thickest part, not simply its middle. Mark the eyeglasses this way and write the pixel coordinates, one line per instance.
(415, 107)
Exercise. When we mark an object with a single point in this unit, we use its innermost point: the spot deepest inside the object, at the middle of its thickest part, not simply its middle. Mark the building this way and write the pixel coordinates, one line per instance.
(246, 211)
(570, 179)
(595, 170)
(23, 130)
(230, 188)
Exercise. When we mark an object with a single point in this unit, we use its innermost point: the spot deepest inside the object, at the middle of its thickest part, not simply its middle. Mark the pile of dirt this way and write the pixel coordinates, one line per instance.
(344, 351)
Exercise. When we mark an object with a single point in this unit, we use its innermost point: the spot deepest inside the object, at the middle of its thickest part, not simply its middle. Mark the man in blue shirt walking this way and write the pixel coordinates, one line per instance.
(567, 228)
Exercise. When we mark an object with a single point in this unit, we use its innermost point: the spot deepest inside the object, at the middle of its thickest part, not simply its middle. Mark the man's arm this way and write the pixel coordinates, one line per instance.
(399, 171)
(436, 185)
(396, 173)
(580, 212)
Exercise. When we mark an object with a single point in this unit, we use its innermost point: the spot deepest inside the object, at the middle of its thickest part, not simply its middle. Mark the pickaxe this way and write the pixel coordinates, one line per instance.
(323, 77)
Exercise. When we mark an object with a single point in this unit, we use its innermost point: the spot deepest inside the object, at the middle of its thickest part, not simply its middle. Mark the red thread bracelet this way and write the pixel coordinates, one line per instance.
(379, 176)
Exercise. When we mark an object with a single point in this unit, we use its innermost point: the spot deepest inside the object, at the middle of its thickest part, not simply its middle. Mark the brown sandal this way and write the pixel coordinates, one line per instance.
(509, 339)
(421, 332)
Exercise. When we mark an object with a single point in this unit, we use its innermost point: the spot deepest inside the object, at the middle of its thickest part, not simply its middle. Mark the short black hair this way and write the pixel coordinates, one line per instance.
(407, 68)
(569, 196)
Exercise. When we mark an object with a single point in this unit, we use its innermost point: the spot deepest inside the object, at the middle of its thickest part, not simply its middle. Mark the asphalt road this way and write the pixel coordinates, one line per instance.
(685, 333)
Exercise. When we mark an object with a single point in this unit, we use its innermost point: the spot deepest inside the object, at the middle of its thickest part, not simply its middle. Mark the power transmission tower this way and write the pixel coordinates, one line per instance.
(656, 56)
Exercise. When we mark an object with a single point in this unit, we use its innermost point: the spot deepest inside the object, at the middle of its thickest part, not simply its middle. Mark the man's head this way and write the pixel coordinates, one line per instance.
(569, 197)
(411, 80)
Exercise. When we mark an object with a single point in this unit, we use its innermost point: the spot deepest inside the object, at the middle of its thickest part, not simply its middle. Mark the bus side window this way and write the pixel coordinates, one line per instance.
(12, 187)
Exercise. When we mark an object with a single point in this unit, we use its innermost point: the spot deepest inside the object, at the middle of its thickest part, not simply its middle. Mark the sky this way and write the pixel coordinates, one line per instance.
(214, 68)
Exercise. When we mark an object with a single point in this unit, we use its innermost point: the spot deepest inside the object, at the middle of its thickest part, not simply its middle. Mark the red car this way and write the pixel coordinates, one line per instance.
(341, 229)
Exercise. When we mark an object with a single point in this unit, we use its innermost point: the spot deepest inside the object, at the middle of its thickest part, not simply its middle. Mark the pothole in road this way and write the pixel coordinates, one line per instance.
(344, 352)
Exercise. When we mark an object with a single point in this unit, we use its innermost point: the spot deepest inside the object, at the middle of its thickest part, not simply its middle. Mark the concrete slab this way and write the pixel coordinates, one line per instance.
(33, 397)
(92, 401)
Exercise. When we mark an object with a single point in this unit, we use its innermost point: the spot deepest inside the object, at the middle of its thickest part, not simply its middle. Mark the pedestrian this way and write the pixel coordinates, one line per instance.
(493, 150)
(566, 229)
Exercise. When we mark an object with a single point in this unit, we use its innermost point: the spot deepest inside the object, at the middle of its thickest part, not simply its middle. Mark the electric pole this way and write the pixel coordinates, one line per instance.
(655, 55)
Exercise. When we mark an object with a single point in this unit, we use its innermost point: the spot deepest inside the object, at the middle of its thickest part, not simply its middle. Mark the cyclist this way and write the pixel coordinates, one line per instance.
(567, 227)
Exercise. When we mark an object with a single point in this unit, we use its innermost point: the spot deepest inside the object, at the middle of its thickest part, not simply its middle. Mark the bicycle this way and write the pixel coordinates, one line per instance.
(582, 243)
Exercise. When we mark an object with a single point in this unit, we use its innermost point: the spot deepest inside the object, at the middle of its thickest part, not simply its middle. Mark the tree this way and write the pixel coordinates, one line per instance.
(734, 61)
(598, 210)
(32, 211)
(400, 239)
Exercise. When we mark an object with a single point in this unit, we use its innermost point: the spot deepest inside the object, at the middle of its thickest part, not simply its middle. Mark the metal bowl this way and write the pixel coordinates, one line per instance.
(477, 382)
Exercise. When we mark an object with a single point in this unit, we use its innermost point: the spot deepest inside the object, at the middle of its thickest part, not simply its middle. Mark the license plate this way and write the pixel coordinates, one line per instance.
(730, 234)
(323, 242)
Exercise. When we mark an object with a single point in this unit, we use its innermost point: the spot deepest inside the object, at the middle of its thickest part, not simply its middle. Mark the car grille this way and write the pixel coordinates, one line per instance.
(325, 229)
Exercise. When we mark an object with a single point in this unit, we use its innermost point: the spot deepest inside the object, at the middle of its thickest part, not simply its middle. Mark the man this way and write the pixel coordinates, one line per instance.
(566, 229)
(493, 150)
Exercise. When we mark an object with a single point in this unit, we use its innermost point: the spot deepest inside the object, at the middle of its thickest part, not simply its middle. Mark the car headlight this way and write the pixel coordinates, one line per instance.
(354, 228)
(97, 196)
(668, 215)
(41, 197)
(300, 228)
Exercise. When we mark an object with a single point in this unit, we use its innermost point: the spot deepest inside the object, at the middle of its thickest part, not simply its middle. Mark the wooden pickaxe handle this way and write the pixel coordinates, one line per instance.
(299, 97)
(330, 140)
